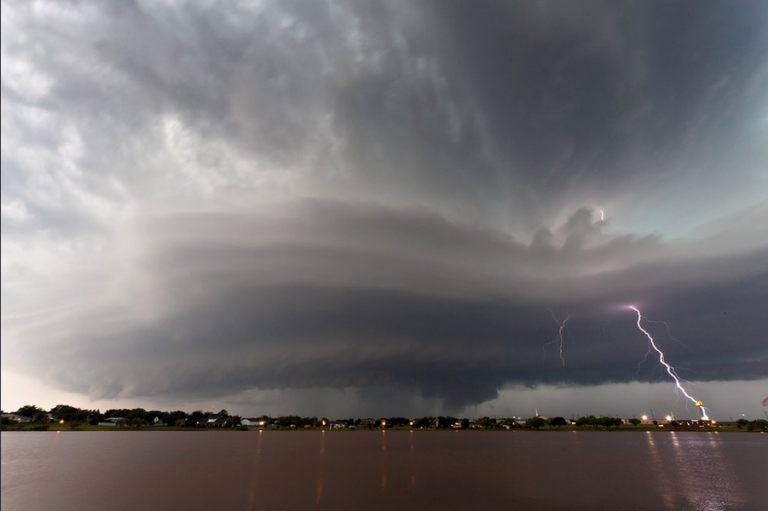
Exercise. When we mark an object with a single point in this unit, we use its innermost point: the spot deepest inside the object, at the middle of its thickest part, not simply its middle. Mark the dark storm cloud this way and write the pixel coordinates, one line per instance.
(204, 200)
(341, 296)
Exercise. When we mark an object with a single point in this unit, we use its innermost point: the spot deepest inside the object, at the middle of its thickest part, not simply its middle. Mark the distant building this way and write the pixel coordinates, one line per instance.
(216, 421)
(111, 421)
(17, 418)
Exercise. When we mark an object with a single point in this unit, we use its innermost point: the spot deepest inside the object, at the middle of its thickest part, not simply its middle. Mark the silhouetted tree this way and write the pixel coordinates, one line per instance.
(557, 422)
(29, 411)
(535, 422)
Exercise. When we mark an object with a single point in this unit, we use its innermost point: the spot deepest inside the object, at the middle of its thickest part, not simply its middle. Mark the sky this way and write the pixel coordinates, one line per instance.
(385, 208)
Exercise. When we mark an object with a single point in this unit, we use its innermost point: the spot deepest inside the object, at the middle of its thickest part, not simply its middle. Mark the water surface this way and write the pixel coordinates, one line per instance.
(84, 471)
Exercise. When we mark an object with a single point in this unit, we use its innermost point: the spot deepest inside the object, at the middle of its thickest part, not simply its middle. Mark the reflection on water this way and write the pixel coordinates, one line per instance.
(383, 460)
(383, 470)
(320, 468)
(704, 477)
(411, 463)
(255, 472)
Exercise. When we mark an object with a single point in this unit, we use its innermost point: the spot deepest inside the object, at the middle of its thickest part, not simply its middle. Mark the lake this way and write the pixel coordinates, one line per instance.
(174, 470)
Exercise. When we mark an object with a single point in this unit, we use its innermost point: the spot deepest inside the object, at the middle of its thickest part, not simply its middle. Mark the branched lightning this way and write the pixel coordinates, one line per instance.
(669, 332)
(670, 370)
(559, 338)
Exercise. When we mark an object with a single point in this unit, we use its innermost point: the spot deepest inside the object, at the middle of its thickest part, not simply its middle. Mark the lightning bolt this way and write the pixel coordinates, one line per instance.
(669, 332)
(670, 370)
(602, 215)
(559, 338)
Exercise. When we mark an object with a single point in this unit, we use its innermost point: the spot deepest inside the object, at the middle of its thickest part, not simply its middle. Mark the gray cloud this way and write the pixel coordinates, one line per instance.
(378, 197)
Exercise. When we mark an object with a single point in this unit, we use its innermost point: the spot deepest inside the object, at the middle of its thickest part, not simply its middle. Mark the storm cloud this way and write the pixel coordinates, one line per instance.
(207, 201)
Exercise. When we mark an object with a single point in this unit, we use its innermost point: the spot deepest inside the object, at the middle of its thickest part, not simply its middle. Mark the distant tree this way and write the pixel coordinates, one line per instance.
(741, 423)
(94, 417)
(80, 416)
(557, 422)
(535, 422)
(635, 422)
(134, 423)
(464, 423)
(74, 425)
(398, 421)
(485, 422)
(195, 417)
(609, 422)
(423, 422)
(223, 413)
(65, 412)
(172, 417)
(138, 413)
(119, 412)
(29, 411)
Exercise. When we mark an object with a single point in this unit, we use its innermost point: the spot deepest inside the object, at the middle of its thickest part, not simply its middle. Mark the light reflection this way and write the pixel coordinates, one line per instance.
(320, 470)
(659, 470)
(411, 463)
(255, 476)
(706, 480)
(383, 461)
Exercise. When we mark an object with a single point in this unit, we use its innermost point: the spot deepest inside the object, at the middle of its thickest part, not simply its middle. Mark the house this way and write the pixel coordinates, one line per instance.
(180, 422)
(216, 421)
(111, 421)
(252, 421)
(17, 418)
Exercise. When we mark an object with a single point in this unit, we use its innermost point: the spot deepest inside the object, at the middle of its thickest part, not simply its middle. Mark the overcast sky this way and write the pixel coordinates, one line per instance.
(359, 208)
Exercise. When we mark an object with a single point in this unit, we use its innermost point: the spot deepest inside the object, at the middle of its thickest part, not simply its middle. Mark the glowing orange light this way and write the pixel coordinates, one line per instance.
(61, 421)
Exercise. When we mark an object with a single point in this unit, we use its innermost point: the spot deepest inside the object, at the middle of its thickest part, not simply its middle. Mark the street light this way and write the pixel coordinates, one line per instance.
(645, 417)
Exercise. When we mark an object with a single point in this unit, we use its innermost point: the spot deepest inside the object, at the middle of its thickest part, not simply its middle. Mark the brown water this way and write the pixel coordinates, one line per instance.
(83, 471)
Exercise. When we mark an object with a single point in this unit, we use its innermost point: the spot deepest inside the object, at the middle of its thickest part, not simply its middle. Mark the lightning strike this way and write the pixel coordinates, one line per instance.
(670, 370)
(602, 215)
(559, 338)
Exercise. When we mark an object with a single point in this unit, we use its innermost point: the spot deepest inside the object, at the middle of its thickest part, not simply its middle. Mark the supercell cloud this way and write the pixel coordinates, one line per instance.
(217, 201)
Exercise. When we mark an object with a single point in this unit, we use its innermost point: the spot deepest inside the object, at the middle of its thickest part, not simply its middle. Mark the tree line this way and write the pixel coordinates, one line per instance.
(139, 417)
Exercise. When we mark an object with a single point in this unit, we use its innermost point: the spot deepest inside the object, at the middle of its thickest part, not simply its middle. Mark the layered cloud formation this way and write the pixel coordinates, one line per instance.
(205, 201)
